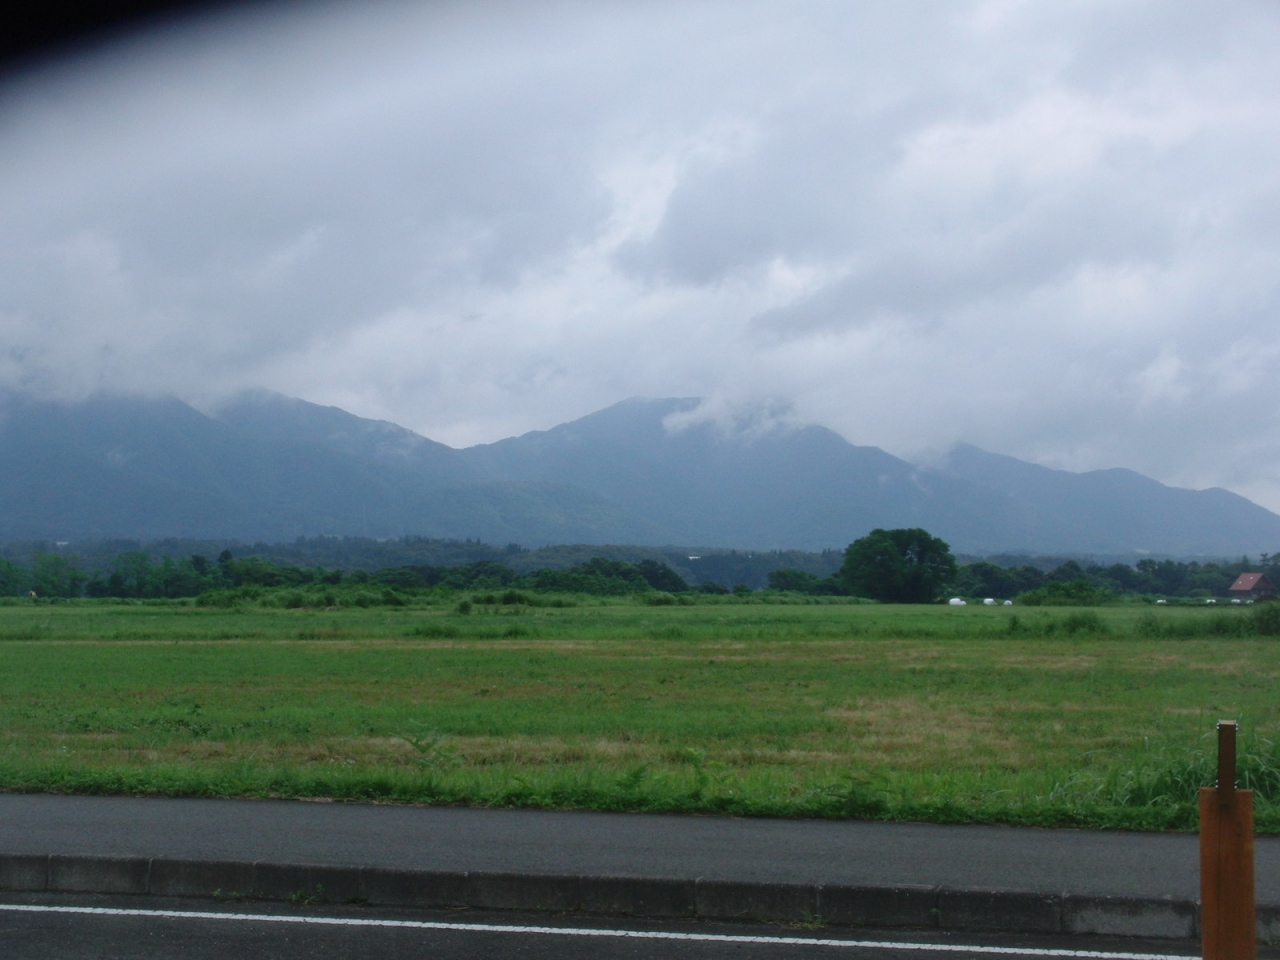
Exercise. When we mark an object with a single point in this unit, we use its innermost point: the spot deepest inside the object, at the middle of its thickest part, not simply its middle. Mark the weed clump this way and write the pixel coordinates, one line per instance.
(1265, 619)
(1076, 622)
(435, 631)
(1084, 621)
(520, 598)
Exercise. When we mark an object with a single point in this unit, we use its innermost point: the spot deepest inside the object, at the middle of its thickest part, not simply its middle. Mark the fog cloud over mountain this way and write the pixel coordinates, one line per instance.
(1049, 229)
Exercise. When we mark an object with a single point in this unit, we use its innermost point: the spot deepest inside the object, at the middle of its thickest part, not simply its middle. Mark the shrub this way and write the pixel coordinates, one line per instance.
(228, 598)
(1071, 593)
(1084, 621)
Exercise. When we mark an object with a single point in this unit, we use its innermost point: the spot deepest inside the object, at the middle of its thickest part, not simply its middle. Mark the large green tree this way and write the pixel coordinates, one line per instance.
(53, 575)
(898, 566)
(13, 579)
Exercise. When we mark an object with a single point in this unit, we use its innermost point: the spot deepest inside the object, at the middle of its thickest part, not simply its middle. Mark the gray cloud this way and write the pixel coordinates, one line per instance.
(1050, 229)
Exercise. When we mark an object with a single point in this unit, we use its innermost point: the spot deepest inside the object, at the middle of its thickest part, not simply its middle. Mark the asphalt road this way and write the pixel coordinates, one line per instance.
(623, 845)
(37, 927)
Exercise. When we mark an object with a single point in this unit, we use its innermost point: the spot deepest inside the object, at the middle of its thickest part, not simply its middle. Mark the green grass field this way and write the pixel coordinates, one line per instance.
(1048, 716)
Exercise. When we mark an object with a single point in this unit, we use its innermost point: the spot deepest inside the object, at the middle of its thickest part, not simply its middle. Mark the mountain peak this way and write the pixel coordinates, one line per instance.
(291, 422)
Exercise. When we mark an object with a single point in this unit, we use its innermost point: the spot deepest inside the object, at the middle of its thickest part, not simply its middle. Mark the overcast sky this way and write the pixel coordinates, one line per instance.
(1051, 229)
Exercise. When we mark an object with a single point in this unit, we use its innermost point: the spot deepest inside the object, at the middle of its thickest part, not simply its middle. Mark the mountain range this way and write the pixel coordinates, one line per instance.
(268, 467)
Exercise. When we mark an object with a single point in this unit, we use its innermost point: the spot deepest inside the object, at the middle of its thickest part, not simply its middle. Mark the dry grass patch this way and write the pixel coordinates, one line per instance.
(1053, 661)
(919, 734)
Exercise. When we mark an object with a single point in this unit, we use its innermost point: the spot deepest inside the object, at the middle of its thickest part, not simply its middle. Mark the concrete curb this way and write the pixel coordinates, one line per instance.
(915, 907)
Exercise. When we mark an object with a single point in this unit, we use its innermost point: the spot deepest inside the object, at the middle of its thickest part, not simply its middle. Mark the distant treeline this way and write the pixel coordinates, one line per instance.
(187, 568)
(135, 575)
(1164, 578)
(352, 554)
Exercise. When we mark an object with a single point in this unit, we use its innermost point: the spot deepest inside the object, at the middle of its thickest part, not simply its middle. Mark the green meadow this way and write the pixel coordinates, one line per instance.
(1057, 716)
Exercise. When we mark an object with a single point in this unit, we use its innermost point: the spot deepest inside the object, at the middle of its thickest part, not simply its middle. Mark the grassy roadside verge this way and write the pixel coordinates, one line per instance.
(1054, 717)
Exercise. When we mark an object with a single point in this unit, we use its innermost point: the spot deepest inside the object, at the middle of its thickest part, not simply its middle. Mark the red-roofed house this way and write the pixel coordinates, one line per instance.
(1252, 585)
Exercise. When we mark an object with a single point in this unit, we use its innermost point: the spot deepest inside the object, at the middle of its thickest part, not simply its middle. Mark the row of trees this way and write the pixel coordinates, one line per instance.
(135, 574)
(50, 575)
(694, 564)
(911, 566)
(900, 566)
(1166, 578)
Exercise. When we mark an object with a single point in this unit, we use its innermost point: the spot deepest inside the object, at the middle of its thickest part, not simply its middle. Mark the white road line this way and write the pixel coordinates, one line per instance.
(589, 932)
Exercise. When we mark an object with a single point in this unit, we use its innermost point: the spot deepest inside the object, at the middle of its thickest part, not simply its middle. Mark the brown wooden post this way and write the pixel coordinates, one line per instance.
(1228, 922)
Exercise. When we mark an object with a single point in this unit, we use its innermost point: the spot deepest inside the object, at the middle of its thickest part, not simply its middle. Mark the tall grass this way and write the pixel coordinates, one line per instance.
(1260, 620)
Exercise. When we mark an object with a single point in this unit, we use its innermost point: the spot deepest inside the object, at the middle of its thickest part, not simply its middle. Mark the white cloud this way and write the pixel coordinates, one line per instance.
(1050, 229)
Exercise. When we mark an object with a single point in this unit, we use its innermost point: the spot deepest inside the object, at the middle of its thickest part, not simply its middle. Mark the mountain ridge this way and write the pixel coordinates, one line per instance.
(643, 471)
